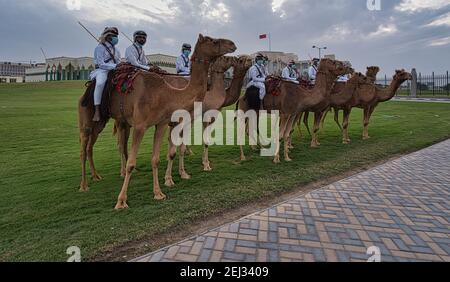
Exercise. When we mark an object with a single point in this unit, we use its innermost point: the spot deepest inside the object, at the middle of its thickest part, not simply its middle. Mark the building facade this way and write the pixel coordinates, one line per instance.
(67, 68)
(165, 62)
(13, 72)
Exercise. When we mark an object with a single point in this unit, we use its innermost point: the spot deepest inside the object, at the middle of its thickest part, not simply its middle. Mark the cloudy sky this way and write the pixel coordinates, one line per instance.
(402, 34)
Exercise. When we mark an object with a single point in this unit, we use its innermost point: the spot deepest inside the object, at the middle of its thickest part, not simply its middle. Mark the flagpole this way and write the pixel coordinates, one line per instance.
(270, 43)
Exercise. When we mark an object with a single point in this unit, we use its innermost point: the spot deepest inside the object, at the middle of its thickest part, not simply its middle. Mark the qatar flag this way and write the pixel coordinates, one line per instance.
(263, 36)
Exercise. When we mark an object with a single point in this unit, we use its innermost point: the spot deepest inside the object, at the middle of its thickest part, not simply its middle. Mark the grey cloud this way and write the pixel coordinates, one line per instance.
(25, 27)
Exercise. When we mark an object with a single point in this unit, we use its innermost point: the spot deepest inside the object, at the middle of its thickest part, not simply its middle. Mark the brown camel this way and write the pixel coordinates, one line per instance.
(342, 93)
(152, 102)
(294, 99)
(215, 99)
(367, 98)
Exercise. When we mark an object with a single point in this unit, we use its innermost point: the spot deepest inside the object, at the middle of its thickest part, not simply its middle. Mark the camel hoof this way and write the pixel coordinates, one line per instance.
(185, 176)
(243, 158)
(84, 189)
(160, 196)
(315, 146)
(287, 159)
(121, 205)
(169, 182)
(207, 168)
(276, 161)
(366, 137)
(345, 142)
(97, 177)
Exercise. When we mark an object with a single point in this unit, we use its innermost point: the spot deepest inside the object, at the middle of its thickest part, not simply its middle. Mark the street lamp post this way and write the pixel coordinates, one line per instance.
(320, 50)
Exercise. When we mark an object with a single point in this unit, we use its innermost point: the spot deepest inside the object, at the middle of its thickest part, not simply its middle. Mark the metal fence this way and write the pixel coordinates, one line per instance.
(432, 85)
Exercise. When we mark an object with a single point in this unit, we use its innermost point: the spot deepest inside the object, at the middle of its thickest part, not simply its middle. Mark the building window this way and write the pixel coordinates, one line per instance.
(12, 80)
(2, 80)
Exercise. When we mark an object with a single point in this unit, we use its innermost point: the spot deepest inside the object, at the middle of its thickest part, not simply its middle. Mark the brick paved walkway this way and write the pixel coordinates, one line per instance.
(401, 207)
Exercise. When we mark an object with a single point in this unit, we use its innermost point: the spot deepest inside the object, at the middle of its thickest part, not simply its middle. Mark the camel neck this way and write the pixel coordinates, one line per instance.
(198, 83)
(324, 83)
(234, 91)
(218, 84)
(389, 93)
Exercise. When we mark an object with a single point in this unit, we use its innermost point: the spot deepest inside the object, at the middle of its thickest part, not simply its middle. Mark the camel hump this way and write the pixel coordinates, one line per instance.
(151, 79)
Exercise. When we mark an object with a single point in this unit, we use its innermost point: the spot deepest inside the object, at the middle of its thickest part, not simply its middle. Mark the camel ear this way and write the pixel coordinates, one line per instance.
(201, 38)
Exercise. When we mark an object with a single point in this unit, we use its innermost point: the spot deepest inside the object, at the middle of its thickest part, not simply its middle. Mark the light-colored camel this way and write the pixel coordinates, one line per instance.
(367, 98)
(294, 99)
(216, 98)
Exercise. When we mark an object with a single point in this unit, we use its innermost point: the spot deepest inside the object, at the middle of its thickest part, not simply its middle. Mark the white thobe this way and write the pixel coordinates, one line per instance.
(312, 73)
(104, 63)
(289, 74)
(183, 65)
(135, 55)
(257, 76)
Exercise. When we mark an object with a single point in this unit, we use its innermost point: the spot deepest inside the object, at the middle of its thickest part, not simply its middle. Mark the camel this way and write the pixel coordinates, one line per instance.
(367, 98)
(341, 94)
(216, 98)
(152, 102)
(294, 99)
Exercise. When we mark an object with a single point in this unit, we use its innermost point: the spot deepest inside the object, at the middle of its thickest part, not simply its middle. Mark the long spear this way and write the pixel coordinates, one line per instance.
(126, 36)
(87, 30)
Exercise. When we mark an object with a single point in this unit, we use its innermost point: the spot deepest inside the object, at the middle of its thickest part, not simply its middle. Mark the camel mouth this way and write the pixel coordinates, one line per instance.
(232, 49)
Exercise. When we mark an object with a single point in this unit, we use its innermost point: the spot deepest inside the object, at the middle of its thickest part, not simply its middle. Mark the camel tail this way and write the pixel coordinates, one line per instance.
(115, 130)
(336, 118)
(305, 121)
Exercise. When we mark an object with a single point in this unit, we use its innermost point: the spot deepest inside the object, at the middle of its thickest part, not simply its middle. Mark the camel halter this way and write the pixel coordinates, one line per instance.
(194, 59)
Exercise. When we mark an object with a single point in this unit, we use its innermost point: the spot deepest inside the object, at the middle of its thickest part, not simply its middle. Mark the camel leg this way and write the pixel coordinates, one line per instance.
(138, 135)
(367, 115)
(283, 124)
(90, 154)
(123, 135)
(183, 174)
(345, 123)
(317, 118)
(206, 163)
(84, 139)
(336, 119)
(159, 135)
(324, 117)
(171, 154)
(287, 137)
(299, 124)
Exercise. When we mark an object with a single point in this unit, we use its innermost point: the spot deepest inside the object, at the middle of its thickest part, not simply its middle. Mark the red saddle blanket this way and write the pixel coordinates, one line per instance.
(125, 74)
(273, 84)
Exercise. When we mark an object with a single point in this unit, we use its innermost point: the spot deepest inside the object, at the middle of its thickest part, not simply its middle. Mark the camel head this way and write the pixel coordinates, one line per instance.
(402, 75)
(359, 78)
(334, 67)
(372, 71)
(208, 48)
(243, 63)
(222, 64)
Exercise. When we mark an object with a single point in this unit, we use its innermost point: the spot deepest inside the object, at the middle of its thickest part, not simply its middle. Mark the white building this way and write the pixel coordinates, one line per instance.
(165, 62)
(67, 68)
(13, 72)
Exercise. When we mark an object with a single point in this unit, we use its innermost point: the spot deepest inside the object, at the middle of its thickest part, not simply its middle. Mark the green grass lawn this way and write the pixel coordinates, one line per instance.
(42, 212)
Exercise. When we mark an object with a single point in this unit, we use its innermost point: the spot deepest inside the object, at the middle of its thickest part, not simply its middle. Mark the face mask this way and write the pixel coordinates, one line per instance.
(294, 67)
(186, 53)
(260, 62)
(114, 40)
